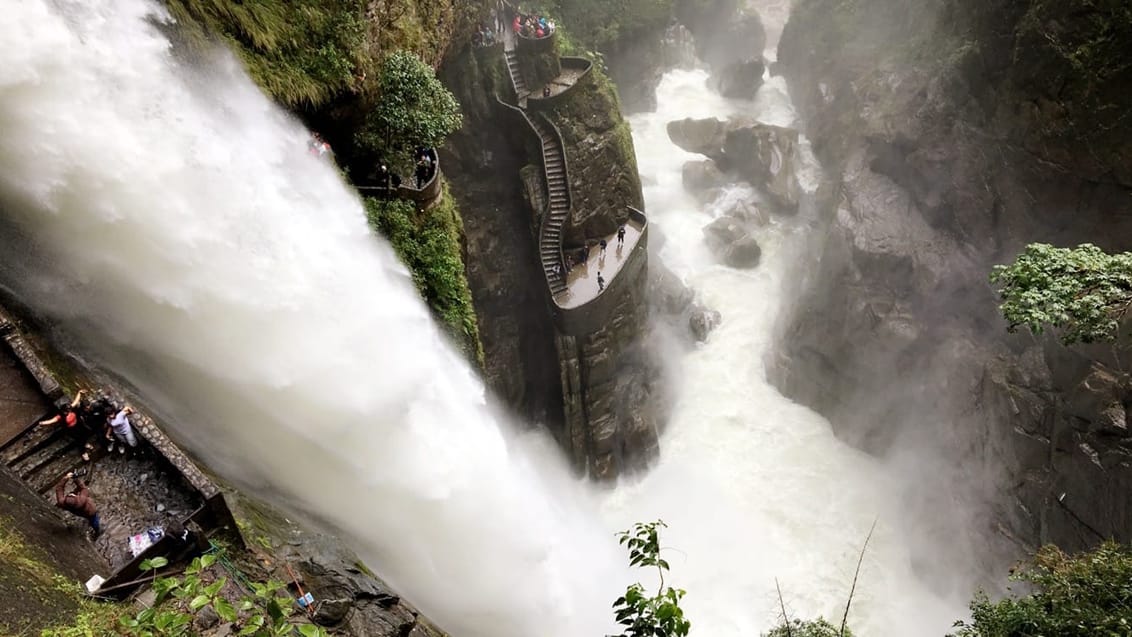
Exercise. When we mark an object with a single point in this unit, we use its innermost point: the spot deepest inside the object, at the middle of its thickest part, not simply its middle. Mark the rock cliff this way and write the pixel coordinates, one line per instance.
(594, 391)
(955, 133)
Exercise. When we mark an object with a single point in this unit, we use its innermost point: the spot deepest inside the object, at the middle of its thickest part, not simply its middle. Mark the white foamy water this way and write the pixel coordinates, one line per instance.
(175, 228)
(753, 486)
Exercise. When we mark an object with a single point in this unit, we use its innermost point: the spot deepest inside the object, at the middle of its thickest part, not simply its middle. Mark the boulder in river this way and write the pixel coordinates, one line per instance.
(740, 80)
(702, 322)
(702, 178)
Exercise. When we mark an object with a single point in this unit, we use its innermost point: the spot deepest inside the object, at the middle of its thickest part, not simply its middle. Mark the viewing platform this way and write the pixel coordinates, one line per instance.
(581, 282)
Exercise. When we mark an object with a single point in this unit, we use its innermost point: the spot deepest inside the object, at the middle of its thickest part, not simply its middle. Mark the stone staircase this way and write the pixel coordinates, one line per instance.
(42, 455)
(558, 210)
(517, 81)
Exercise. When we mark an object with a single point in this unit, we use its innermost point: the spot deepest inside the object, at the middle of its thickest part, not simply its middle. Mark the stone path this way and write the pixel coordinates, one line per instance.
(582, 281)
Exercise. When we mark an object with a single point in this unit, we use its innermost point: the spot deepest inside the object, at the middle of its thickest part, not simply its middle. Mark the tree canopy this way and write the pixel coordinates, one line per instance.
(1084, 292)
(413, 108)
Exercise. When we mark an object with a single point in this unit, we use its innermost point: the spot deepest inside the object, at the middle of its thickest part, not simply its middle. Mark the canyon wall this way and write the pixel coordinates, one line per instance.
(954, 134)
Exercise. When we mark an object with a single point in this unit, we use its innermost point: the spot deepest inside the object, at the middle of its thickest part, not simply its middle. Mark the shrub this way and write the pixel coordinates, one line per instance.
(413, 109)
(428, 243)
(815, 628)
(1087, 595)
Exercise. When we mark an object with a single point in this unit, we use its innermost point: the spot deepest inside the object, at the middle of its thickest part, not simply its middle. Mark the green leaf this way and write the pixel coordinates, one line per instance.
(224, 609)
(199, 602)
(207, 560)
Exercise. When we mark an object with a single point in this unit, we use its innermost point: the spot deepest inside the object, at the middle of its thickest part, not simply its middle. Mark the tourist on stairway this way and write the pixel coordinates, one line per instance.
(78, 502)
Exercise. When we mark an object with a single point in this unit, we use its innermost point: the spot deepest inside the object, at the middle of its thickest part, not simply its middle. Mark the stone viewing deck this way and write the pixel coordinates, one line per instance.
(581, 282)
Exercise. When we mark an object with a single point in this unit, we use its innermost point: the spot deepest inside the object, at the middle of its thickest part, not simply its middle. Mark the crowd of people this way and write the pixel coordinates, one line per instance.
(424, 168)
(484, 36)
(531, 25)
(91, 422)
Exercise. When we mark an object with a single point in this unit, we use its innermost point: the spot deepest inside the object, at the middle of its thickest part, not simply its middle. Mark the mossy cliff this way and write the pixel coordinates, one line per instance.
(593, 391)
(600, 154)
(955, 133)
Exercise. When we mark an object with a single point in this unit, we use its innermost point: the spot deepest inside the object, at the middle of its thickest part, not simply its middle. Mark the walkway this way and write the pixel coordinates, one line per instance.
(579, 286)
(582, 281)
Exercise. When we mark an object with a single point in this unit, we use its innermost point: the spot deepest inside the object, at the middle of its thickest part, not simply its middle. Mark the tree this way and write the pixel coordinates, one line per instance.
(1082, 291)
(643, 616)
(413, 108)
(1088, 595)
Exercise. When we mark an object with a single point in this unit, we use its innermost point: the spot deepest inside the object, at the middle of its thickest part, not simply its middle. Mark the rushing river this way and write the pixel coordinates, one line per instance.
(173, 226)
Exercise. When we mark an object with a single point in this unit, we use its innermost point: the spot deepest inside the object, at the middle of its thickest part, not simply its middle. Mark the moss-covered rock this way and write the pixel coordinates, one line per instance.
(429, 242)
(600, 156)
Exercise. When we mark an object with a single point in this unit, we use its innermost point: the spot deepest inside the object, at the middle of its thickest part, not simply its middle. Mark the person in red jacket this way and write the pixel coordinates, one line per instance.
(78, 502)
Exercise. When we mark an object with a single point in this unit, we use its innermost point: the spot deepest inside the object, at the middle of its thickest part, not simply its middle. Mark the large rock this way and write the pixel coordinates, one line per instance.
(743, 253)
(761, 154)
(951, 165)
(703, 136)
(702, 179)
(732, 242)
(764, 155)
(702, 322)
(740, 80)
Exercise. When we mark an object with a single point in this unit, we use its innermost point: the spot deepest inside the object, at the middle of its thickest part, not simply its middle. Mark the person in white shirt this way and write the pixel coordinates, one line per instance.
(122, 430)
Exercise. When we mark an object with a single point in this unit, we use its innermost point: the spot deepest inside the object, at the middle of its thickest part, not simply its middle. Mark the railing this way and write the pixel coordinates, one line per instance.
(426, 193)
(535, 46)
(546, 179)
(592, 315)
(536, 101)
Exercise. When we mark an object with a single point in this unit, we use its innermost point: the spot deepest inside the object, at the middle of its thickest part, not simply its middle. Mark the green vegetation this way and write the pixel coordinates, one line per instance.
(303, 52)
(642, 615)
(1089, 595)
(414, 110)
(263, 613)
(601, 24)
(428, 242)
(1082, 291)
(816, 628)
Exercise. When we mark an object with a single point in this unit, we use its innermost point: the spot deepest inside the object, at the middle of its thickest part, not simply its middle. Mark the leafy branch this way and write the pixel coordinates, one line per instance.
(1084, 292)
(642, 615)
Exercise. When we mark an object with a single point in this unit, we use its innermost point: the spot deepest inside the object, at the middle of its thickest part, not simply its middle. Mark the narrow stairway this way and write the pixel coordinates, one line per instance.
(517, 81)
(42, 455)
(550, 240)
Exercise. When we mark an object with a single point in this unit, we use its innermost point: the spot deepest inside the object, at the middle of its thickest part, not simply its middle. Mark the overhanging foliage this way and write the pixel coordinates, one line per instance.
(1083, 291)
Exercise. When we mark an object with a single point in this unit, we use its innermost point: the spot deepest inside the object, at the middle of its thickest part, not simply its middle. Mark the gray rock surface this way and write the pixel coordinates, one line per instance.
(761, 154)
(702, 322)
(702, 179)
(948, 167)
(740, 80)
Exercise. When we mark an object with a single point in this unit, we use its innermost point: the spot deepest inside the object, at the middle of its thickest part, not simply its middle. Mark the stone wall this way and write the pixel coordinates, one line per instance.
(609, 382)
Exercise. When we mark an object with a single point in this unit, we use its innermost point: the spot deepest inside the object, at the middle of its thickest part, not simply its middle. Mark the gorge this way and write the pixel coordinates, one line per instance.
(164, 222)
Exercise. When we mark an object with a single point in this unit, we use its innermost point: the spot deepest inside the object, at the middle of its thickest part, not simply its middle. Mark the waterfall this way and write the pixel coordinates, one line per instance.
(172, 226)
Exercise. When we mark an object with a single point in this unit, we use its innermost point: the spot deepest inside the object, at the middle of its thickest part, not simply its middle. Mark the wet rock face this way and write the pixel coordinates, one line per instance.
(613, 390)
(703, 179)
(740, 80)
(702, 322)
(601, 162)
(949, 167)
(761, 154)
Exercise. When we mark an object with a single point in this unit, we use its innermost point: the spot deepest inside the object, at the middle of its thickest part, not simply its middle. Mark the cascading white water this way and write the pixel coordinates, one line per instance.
(175, 227)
